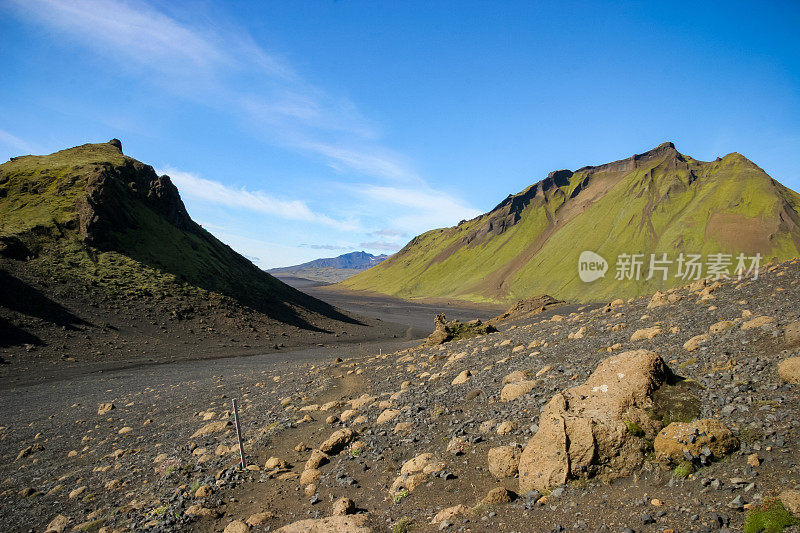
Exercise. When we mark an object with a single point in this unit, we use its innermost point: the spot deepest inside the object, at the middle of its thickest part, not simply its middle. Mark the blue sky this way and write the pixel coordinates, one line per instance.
(296, 130)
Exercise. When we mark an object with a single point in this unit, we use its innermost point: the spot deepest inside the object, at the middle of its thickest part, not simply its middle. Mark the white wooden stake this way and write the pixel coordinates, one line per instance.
(238, 431)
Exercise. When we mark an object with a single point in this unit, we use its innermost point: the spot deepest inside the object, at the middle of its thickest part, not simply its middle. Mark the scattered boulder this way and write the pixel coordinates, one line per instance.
(449, 513)
(361, 401)
(337, 441)
(416, 464)
(505, 427)
(791, 335)
(791, 500)
(498, 495)
(658, 299)
(646, 333)
(721, 326)
(757, 322)
(707, 437)
(316, 460)
(528, 307)
(310, 475)
(462, 378)
(212, 427)
(57, 524)
(457, 446)
(237, 526)
(202, 492)
(331, 524)
(342, 507)
(259, 519)
(503, 461)
(789, 370)
(514, 377)
(585, 430)
(447, 331)
(695, 342)
(103, 408)
(512, 391)
(275, 462)
(387, 415)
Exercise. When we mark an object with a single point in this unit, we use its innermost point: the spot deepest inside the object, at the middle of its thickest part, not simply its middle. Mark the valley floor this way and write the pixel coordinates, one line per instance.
(164, 458)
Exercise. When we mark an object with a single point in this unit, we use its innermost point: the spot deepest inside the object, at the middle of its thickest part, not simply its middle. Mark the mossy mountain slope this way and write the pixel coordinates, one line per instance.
(104, 222)
(660, 201)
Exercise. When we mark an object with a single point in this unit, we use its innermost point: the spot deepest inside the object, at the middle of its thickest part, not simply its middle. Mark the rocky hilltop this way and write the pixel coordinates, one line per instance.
(658, 202)
(97, 250)
(672, 412)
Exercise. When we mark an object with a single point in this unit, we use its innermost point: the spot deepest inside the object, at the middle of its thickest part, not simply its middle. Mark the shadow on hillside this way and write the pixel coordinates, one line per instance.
(261, 292)
(11, 335)
(18, 296)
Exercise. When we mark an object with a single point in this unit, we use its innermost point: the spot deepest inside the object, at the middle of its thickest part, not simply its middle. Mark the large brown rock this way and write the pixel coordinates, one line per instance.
(646, 333)
(692, 438)
(212, 427)
(792, 334)
(584, 430)
(503, 461)
(57, 524)
(337, 441)
(791, 500)
(237, 526)
(789, 370)
(332, 524)
(514, 390)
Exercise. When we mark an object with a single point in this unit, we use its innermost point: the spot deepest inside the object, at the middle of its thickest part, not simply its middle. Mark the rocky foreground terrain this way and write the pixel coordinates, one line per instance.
(676, 412)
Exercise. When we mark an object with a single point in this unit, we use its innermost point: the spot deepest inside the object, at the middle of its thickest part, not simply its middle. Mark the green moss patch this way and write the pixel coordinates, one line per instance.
(676, 402)
(771, 517)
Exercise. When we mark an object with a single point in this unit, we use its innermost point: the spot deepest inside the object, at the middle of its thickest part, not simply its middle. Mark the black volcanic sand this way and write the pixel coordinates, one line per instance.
(139, 466)
(48, 332)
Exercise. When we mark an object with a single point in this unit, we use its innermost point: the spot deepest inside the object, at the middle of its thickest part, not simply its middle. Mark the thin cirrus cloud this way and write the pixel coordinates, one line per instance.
(222, 69)
(241, 198)
(15, 142)
(417, 208)
(386, 246)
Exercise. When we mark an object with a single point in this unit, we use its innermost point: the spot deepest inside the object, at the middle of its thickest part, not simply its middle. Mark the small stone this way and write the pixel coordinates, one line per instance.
(791, 500)
(237, 526)
(103, 408)
(343, 506)
(212, 427)
(737, 503)
(57, 524)
(387, 415)
(498, 495)
(445, 515)
(462, 378)
(274, 462)
(259, 519)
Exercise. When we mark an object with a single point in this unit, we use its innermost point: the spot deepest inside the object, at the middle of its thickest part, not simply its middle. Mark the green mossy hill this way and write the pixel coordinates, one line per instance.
(105, 223)
(658, 202)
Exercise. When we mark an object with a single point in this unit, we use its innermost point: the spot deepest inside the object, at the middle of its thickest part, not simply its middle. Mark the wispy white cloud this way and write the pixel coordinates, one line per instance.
(240, 198)
(325, 246)
(389, 232)
(15, 142)
(225, 69)
(417, 208)
(381, 245)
